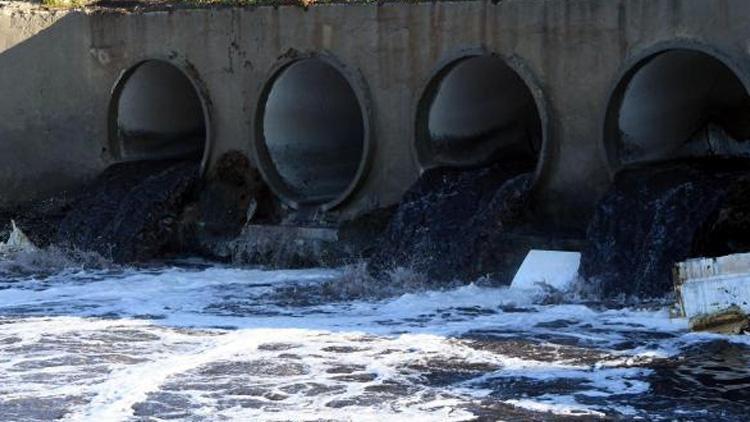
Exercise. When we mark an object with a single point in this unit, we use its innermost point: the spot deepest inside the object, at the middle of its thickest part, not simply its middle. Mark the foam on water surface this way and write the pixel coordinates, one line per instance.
(212, 343)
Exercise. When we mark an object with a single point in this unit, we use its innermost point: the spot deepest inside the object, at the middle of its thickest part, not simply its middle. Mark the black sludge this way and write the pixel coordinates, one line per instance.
(450, 224)
(38, 219)
(656, 216)
(131, 211)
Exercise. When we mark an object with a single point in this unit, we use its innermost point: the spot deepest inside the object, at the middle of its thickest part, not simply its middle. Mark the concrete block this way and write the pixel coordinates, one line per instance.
(557, 269)
(710, 290)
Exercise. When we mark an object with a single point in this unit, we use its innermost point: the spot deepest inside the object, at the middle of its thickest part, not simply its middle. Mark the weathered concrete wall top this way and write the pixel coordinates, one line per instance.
(59, 70)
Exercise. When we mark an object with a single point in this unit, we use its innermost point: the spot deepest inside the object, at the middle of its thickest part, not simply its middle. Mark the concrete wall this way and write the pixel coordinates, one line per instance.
(58, 70)
(50, 130)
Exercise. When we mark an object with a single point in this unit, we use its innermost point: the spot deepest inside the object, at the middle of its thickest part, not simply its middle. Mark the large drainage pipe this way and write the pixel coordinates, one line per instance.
(674, 104)
(312, 133)
(674, 118)
(478, 133)
(157, 113)
(158, 135)
(477, 110)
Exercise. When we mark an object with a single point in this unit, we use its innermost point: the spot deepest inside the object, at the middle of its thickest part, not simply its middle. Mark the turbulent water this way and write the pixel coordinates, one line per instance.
(205, 342)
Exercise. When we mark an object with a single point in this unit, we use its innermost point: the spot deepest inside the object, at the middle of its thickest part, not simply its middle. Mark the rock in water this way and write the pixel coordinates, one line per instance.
(130, 212)
(652, 218)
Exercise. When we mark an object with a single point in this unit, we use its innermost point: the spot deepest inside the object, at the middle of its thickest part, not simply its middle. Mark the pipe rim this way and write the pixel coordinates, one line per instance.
(262, 156)
(611, 140)
(114, 146)
(421, 148)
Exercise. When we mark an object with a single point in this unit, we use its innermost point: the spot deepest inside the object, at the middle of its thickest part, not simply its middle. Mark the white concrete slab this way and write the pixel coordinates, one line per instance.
(557, 269)
(699, 268)
(711, 295)
(708, 286)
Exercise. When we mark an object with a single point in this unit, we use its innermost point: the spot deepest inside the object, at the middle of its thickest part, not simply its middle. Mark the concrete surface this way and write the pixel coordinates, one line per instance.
(59, 69)
(707, 286)
(556, 269)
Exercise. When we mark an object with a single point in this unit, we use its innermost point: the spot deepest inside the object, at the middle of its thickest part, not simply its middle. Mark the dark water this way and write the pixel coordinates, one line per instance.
(655, 216)
(204, 342)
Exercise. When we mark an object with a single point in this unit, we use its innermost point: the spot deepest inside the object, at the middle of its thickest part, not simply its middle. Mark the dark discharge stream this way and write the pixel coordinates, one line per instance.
(655, 216)
(451, 225)
(129, 213)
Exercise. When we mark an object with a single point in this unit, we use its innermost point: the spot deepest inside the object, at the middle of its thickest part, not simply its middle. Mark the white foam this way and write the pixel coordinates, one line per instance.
(558, 405)
(87, 335)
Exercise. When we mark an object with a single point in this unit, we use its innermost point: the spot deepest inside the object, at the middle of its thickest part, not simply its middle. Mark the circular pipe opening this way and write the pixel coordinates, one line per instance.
(312, 134)
(475, 111)
(157, 113)
(677, 103)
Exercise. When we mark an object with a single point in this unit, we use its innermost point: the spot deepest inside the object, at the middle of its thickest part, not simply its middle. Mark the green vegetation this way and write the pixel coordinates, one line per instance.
(65, 4)
(73, 4)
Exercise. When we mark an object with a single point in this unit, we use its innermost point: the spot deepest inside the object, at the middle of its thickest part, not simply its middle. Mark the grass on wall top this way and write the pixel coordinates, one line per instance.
(73, 4)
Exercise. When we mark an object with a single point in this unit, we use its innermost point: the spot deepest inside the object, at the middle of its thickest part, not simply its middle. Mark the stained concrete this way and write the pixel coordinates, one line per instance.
(58, 70)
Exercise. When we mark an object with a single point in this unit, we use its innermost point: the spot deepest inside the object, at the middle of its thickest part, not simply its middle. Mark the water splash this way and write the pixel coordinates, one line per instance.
(17, 243)
(20, 257)
(213, 341)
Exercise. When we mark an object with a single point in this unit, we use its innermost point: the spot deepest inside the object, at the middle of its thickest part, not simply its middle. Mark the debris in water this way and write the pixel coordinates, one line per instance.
(556, 269)
(729, 321)
(17, 242)
(714, 293)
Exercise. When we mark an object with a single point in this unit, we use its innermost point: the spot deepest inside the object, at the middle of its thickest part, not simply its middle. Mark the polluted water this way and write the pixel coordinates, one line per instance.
(193, 340)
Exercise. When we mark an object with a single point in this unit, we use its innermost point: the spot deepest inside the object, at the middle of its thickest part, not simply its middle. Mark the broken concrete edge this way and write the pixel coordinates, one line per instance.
(714, 293)
(702, 268)
(732, 320)
(168, 5)
(555, 269)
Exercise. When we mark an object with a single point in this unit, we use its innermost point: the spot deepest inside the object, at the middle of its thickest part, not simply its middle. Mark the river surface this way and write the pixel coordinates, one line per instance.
(194, 341)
